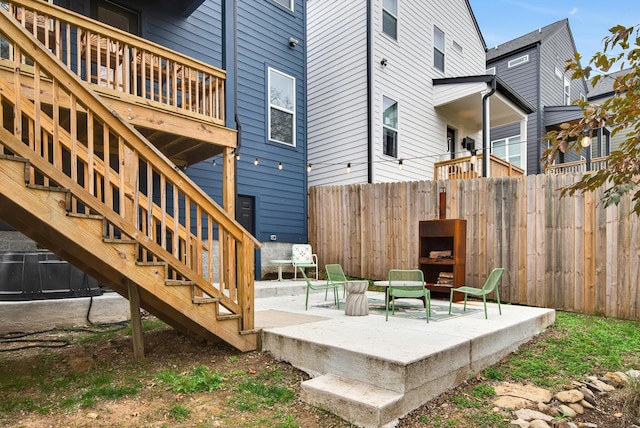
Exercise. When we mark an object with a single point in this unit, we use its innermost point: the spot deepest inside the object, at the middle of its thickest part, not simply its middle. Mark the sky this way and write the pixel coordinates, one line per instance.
(590, 20)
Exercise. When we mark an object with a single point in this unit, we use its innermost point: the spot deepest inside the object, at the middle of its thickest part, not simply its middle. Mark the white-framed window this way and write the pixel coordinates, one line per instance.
(510, 149)
(438, 48)
(389, 127)
(282, 107)
(390, 18)
(517, 61)
(490, 70)
(285, 3)
(567, 92)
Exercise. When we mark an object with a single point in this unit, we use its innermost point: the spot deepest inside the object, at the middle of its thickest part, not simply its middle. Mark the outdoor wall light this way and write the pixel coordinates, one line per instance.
(400, 165)
(383, 62)
(280, 166)
(348, 168)
(255, 162)
(585, 141)
(292, 42)
(309, 168)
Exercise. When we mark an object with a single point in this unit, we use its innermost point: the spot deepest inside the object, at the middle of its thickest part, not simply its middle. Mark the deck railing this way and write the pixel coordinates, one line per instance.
(578, 166)
(121, 63)
(79, 144)
(471, 167)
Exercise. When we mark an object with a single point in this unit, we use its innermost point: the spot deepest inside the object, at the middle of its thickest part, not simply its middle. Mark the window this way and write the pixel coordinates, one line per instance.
(509, 149)
(390, 18)
(285, 3)
(517, 61)
(282, 107)
(438, 48)
(567, 91)
(389, 127)
(491, 70)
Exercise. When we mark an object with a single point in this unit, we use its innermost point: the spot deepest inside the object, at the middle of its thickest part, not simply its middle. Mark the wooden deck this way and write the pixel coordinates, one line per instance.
(175, 101)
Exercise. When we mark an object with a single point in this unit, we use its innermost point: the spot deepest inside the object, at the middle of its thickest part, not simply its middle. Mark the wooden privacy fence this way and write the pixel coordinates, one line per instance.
(566, 253)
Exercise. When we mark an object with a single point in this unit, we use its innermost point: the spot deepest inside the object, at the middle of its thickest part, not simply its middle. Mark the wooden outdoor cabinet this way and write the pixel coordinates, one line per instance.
(438, 237)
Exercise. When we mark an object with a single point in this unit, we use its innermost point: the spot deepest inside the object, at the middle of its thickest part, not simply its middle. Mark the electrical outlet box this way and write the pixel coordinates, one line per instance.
(273, 238)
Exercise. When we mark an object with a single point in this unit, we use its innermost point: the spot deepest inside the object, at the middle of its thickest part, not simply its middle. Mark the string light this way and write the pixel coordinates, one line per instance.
(400, 162)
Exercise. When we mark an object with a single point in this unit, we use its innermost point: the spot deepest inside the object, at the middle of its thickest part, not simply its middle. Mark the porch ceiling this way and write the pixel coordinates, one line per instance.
(462, 98)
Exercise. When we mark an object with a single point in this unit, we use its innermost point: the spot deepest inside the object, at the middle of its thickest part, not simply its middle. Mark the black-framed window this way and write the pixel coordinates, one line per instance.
(438, 48)
(389, 127)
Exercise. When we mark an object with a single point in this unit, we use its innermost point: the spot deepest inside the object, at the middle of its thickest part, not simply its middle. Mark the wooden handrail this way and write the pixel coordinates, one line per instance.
(124, 63)
(105, 168)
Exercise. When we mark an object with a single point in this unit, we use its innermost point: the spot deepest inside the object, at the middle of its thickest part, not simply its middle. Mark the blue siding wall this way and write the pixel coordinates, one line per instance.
(264, 29)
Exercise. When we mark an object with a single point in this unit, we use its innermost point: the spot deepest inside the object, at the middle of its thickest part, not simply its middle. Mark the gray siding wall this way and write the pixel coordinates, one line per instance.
(524, 79)
(553, 53)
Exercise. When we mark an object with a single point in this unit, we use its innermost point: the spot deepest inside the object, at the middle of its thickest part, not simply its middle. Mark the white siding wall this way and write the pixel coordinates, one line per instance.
(407, 78)
(337, 86)
(337, 91)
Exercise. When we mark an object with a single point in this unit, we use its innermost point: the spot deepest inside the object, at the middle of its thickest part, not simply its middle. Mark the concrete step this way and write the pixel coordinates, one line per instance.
(360, 403)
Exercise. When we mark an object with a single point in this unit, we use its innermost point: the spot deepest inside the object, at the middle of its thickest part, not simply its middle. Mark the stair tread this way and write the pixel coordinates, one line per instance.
(201, 300)
(353, 390)
(178, 282)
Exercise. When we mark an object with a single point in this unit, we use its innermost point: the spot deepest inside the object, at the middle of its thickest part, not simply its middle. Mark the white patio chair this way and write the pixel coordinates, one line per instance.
(302, 257)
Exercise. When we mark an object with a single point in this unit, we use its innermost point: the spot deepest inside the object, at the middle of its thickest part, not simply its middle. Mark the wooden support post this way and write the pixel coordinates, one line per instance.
(227, 247)
(136, 321)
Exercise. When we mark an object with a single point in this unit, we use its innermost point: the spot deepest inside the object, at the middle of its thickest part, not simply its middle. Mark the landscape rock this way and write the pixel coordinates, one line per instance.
(588, 395)
(602, 385)
(528, 392)
(577, 408)
(519, 423)
(508, 402)
(586, 404)
(530, 415)
(564, 424)
(587, 425)
(537, 423)
(567, 411)
(571, 396)
(615, 378)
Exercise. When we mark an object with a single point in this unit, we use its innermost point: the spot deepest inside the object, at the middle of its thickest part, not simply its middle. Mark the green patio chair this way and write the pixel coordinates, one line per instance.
(406, 283)
(335, 275)
(322, 286)
(490, 285)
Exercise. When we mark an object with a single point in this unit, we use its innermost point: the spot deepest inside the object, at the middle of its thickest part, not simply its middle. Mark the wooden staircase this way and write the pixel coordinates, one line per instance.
(110, 203)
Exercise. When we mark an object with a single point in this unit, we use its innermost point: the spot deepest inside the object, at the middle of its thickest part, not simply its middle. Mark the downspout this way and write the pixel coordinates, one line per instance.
(538, 139)
(227, 58)
(369, 92)
(485, 152)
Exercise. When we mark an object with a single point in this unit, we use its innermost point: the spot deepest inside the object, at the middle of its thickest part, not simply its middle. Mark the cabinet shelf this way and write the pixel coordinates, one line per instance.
(443, 235)
(428, 260)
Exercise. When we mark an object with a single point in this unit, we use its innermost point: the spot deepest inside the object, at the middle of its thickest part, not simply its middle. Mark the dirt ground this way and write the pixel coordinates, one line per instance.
(167, 349)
